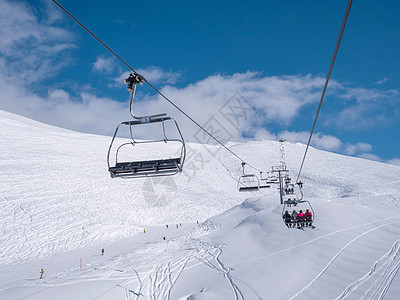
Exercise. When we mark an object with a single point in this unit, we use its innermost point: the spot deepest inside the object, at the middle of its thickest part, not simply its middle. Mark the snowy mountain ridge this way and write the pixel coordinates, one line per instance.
(59, 204)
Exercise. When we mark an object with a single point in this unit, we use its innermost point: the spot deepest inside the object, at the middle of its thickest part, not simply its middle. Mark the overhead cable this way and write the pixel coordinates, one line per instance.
(326, 83)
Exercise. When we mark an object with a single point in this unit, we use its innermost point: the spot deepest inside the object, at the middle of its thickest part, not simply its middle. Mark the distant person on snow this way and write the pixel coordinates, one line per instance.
(41, 273)
(308, 216)
(102, 251)
(288, 219)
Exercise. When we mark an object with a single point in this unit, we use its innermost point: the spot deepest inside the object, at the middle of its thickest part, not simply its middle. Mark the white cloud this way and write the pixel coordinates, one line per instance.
(154, 75)
(158, 75)
(327, 142)
(362, 95)
(319, 140)
(103, 64)
(382, 81)
(88, 113)
(263, 134)
(370, 156)
(352, 149)
(394, 161)
(330, 143)
(59, 95)
(275, 99)
(29, 45)
(364, 108)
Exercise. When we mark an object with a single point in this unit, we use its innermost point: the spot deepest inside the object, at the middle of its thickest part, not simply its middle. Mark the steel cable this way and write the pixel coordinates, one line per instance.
(326, 83)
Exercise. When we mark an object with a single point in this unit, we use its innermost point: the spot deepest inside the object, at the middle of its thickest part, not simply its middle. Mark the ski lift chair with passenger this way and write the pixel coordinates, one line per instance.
(248, 182)
(287, 179)
(289, 188)
(132, 167)
(290, 200)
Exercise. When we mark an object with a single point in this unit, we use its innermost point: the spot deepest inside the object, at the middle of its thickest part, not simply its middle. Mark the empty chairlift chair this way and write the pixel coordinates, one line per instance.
(124, 156)
(264, 182)
(248, 182)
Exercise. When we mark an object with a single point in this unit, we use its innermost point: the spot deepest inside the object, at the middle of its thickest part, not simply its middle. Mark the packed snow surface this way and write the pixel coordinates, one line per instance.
(60, 207)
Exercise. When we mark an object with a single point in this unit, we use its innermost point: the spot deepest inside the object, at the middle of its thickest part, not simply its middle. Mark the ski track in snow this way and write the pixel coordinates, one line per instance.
(159, 282)
(383, 271)
(314, 240)
(133, 288)
(386, 283)
(226, 271)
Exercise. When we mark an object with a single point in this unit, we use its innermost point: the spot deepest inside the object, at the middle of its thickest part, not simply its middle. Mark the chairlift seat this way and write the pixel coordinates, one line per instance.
(248, 188)
(293, 201)
(272, 181)
(149, 119)
(144, 168)
(265, 186)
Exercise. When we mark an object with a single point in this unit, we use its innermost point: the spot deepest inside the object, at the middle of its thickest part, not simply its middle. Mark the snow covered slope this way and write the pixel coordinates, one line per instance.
(59, 207)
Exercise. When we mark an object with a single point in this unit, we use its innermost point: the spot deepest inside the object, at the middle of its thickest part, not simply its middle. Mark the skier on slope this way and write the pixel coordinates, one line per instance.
(41, 273)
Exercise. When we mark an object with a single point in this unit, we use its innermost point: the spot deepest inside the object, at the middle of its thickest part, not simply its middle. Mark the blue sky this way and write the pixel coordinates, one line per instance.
(273, 54)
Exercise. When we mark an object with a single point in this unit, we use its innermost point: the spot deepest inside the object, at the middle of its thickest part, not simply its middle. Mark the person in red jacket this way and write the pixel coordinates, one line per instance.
(301, 218)
(308, 216)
